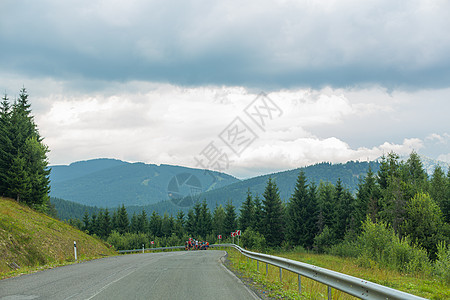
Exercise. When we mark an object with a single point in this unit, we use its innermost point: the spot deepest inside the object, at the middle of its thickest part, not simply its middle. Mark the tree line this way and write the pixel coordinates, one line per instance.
(24, 175)
(315, 217)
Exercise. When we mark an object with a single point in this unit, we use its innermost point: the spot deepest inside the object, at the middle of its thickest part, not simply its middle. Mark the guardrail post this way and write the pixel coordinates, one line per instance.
(75, 249)
(257, 265)
(329, 292)
(267, 269)
(299, 284)
(281, 274)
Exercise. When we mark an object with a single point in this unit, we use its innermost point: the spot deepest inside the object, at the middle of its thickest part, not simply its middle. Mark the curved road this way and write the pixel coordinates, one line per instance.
(170, 275)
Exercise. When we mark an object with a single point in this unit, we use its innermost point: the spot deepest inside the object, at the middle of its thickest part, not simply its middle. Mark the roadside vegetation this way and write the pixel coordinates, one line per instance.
(30, 240)
(427, 285)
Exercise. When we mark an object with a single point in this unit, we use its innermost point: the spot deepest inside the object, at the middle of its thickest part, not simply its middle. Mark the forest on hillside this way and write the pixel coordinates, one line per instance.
(399, 218)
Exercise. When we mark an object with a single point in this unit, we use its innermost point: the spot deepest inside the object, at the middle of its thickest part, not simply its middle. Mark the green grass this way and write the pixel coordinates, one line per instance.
(420, 285)
(34, 241)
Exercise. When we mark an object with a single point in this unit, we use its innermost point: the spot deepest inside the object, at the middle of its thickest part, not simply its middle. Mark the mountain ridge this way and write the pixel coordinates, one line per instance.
(116, 182)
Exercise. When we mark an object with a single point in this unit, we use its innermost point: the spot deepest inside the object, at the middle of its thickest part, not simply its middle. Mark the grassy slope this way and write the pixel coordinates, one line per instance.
(31, 239)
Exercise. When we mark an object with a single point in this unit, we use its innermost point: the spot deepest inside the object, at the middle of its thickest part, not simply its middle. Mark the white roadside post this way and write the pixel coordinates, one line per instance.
(75, 249)
(143, 248)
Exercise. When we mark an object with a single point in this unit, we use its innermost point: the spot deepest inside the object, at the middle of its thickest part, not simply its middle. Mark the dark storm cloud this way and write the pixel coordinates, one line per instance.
(262, 44)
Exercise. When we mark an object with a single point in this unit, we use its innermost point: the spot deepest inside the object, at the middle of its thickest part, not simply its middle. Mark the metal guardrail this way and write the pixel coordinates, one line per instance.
(351, 285)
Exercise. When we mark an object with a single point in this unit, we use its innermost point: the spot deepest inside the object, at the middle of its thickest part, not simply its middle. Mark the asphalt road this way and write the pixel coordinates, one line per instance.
(170, 275)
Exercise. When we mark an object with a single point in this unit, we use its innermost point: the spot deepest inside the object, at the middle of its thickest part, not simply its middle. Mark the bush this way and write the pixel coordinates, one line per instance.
(442, 264)
(346, 248)
(253, 240)
(324, 240)
(379, 243)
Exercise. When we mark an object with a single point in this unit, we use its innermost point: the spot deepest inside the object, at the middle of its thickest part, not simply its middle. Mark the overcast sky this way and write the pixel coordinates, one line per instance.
(177, 82)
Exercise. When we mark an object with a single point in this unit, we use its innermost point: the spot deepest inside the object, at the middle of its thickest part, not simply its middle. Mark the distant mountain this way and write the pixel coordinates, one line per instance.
(429, 164)
(82, 168)
(350, 174)
(110, 183)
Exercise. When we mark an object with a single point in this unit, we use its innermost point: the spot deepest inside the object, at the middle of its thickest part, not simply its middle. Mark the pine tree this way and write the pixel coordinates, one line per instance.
(218, 223)
(343, 210)
(18, 180)
(24, 173)
(297, 213)
(6, 148)
(167, 224)
(325, 206)
(142, 222)
(246, 217)
(414, 173)
(198, 225)
(155, 224)
(258, 214)
(389, 168)
(446, 204)
(93, 229)
(204, 221)
(122, 220)
(438, 192)
(230, 222)
(190, 222)
(107, 225)
(114, 226)
(86, 222)
(273, 215)
(180, 224)
(367, 198)
(313, 211)
(134, 228)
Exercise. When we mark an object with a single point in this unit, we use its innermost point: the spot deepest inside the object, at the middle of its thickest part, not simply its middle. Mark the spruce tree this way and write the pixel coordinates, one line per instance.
(204, 221)
(246, 217)
(6, 148)
(438, 191)
(297, 213)
(122, 220)
(24, 173)
(258, 214)
(273, 215)
(18, 180)
(134, 228)
(180, 224)
(142, 222)
(325, 206)
(343, 210)
(367, 198)
(107, 226)
(86, 222)
(190, 222)
(230, 222)
(155, 224)
(218, 223)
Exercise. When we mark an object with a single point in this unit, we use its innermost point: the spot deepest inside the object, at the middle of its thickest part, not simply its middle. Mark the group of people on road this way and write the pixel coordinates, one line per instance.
(193, 244)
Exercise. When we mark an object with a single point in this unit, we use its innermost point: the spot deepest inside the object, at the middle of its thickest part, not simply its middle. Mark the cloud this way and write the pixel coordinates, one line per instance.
(262, 44)
(444, 157)
(161, 123)
(441, 139)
